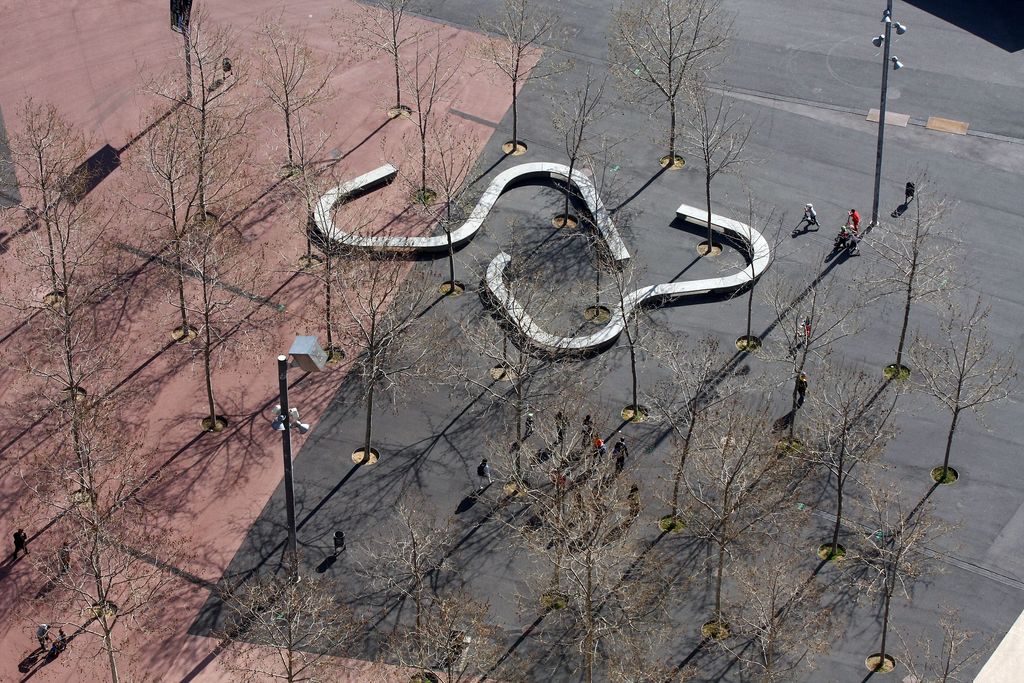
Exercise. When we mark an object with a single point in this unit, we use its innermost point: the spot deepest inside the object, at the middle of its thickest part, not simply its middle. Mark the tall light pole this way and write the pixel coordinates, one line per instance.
(311, 358)
(283, 423)
(884, 41)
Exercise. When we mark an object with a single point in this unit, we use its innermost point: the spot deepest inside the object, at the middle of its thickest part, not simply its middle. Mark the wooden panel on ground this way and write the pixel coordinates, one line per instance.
(891, 118)
(947, 125)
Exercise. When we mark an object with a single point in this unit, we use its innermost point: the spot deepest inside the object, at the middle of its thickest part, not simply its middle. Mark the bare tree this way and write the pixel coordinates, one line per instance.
(301, 624)
(775, 614)
(309, 179)
(218, 113)
(68, 257)
(891, 553)
(224, 303)
(293, 77)
(380, 26)
(576, 112)
(718, 137)
(737, 490)
(655, 48)
(638, 330)
(427, 79)
(931, 662)
(109, 563)
(918, 257)
(698, 382)
(817, 316)
(961, 371)
(519, 30)
(383, 307)
(452, 153)
(850, 424)
(603, 592)
(763, 225)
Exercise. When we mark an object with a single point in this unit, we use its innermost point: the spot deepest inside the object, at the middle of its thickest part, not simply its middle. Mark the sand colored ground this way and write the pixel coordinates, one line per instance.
(92, 60)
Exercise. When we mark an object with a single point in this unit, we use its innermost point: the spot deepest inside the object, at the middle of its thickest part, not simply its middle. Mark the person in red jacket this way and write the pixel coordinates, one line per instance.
(854, 221)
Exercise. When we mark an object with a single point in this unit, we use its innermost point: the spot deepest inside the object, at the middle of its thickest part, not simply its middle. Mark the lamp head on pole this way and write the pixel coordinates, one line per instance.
(877, 41)
(887, 17)
(900, 28)
(896, 63)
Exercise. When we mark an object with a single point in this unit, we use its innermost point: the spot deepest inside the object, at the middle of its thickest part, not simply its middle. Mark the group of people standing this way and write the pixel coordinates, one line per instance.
(588, 435)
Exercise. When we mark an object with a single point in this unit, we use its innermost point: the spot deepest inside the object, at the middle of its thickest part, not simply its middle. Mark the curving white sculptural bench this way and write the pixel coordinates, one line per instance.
(462, 234)
(759, 256)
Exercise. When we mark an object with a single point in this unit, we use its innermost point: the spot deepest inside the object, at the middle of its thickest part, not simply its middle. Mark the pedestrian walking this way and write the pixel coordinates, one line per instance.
(64, 558)
(560, 425)
(853, 220)
(530, 425)
(803, 333)
(483, 470)
(20, 543)
(801, 389)
(588, 426)
(620, 452)
(59, 645)
(43, 636)
(810, 218)
(339, 542)
(599, 448)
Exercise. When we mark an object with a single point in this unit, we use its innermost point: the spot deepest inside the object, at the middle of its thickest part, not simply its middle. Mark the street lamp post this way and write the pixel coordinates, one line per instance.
(884, 40)
(286, 443)
(310, 357)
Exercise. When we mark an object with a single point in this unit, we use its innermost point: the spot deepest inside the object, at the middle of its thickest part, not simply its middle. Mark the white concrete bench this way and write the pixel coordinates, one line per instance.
(465, 232)
(759, 257)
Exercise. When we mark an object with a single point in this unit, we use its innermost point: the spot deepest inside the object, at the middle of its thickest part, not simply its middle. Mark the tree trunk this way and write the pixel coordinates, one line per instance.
(885, 623)
(949, 441)
(719, 573)
(188, 65)
(589, 644)
(451, 254)
(515, 115)
(671, 130)
(707, 198)
(208, 368)
(840, 481)
(398, 80)
(677, 482)
(328, 301)
(369, 421)
(906, 316)
(108, 645)
(288, 132)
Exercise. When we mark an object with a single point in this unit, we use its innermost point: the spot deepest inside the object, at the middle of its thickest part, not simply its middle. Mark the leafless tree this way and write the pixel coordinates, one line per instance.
(300, 624)
(931, 662)
(309, 178)
(293, 76)
(960, 369)
(891, 551)
(918, 258)
(849, 425)
(637, 329)
(576, 112)
(718, 136)
(427, 79)
(66, 250)
(519, 30)
(657, 46)
(612, 592)
(698, 381)
(774, 614)
(380, 27)
(218, 111)
(383, 305)
(737, 489)
(109, 566)
(224, 302)
(452, 153)
(817, 316)
(771, 230)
